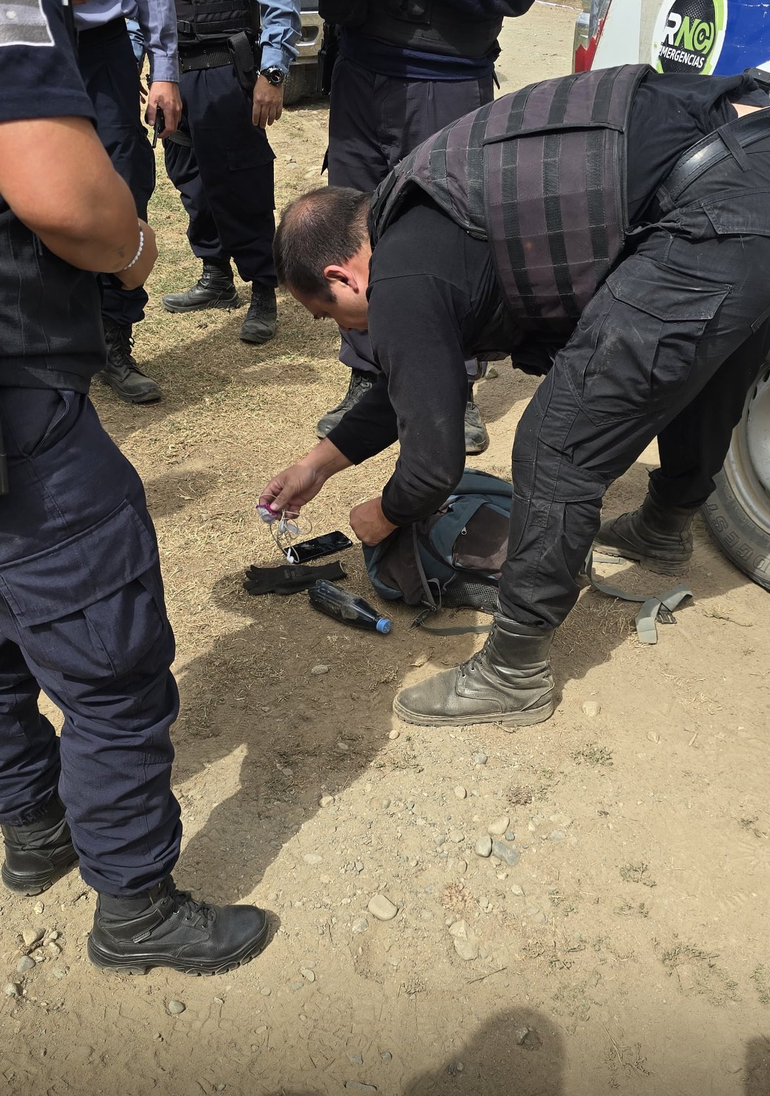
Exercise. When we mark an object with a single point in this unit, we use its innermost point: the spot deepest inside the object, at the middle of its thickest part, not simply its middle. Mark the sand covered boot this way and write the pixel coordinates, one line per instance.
(656, 536)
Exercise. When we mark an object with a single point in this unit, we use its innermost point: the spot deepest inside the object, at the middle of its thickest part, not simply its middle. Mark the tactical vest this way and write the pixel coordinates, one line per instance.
(541, 174)
(50, 314)
(416, 24)
(205, 20)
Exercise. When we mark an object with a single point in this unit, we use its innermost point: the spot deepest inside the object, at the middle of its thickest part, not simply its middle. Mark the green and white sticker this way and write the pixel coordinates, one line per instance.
(688, 36)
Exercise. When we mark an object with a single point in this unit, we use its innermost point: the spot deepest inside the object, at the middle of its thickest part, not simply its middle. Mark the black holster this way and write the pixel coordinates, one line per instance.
(327, 55)
(245, 54)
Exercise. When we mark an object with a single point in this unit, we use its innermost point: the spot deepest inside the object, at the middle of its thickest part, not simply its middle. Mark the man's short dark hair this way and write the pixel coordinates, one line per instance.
(318, 229)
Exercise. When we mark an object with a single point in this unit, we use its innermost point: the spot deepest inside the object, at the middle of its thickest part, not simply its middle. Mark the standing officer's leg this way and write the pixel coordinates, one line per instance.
(111, 76)
(235, 161)
(81, 596)
(38, 848)
(692, 450)
(215, 287)
(647, 343)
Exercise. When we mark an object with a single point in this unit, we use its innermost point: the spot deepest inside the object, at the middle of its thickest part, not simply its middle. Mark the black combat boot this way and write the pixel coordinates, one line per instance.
(214, 289)
(656, 536)
(360, 383)
(476, 436)
(165, 927)
(508, 681)
(38, 852)
(122, 373)
(259, 325)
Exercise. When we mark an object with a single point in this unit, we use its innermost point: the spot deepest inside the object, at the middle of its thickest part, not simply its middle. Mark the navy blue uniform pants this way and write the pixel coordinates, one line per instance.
(668, 348)
(109, 70)
(82, 616)
(224, 175)
(374, 121)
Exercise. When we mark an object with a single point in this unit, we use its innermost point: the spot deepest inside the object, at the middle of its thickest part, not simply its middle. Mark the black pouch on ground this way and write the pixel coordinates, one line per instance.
(291, 578)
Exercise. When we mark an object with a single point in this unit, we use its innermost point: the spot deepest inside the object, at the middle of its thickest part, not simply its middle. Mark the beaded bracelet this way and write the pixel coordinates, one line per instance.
(139, 252)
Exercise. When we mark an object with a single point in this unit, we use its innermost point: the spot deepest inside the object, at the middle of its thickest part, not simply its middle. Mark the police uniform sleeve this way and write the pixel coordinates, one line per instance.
(39, 77)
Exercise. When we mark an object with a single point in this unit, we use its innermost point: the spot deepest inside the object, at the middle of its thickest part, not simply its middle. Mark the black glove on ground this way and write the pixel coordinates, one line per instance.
(290, 579)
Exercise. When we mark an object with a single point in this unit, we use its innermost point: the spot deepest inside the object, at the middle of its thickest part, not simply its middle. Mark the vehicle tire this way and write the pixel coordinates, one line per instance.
(300, 83)
(738, 512)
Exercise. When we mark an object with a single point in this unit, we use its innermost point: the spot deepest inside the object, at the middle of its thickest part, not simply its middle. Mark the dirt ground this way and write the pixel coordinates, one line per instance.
(625, 951)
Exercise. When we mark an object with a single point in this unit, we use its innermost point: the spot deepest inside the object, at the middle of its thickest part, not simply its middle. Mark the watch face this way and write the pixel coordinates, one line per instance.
(273, 75)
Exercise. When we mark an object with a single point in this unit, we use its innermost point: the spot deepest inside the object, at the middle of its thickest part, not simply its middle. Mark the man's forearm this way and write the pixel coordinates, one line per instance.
(157, 19)
(58, 180)
(326, 459)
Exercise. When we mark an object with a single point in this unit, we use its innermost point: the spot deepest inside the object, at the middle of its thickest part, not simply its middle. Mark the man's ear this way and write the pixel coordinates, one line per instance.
(341, 275)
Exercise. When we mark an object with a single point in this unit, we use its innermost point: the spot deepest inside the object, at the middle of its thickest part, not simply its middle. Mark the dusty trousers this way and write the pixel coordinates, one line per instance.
(667, 348)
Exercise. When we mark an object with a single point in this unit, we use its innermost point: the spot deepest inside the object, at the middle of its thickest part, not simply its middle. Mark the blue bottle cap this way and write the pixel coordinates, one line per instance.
(384, 626)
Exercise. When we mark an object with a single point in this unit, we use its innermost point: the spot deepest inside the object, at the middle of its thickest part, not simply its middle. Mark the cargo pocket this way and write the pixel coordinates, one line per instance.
(740, 214)
(648, 341)
(92, 607)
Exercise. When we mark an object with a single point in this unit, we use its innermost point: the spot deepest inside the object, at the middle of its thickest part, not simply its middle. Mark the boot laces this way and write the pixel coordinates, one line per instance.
(199, 913)
(122, 345)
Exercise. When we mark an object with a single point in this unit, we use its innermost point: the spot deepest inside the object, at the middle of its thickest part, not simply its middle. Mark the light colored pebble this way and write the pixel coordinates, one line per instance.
(483, 846)
(382, 908)
(558, 835)
(24, 964)
(59, 973)
(320, 669)
(591, 708)
(266, 991)
(355, 1059)
(55, 950)
(394, 734)
(39, 907)
(480, 759)
(461, 792)
(343, 746)
(312, 858)
(499, 826)
(467, 949)
(326, 800)
(386, 1056)
(10, 989)
(307, 974)
(510, 835)
(517, 890)
(457, 836)
(176, 1007)
(360, 925)
(31, 936)
(459, 929)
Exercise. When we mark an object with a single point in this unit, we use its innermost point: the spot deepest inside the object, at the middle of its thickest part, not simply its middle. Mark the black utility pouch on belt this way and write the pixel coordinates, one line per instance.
(245, 59)
(327, 55)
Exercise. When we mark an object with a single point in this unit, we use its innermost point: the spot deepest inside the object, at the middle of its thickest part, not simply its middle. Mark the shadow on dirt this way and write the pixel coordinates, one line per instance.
(518, 1050)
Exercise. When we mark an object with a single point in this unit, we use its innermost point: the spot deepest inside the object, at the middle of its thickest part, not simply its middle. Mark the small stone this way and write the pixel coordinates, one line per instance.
(558, 835)
(480, 759)
(591, 708)
(307, 974)
(52, 936)
(456, 836)
(31, 936)
(461, 866)
(483, 846)
(386, 1056)
(12, 990)
(360, 925)
(38, 955)
(59, 973)
(499, 826)
(326, 800)
(517, 890)
(176, 1007)
(467, 949)
(343, 746)
(312, 858)
(24, 964)
(382, 908)
(39, 907)
(509, 854)
(320, 669)
(510, 835)
(459, 930)
(461, 792)
(355, 1059)
(394, 735)
(384, 804)
(266, 991)
(491, 375)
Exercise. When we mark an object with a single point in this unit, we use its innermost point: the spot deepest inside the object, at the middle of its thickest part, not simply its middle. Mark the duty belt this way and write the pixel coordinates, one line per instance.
(204, 57)
(729, 140)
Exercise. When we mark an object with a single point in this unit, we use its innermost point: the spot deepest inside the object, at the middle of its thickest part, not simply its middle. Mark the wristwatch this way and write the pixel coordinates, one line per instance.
(274, 75)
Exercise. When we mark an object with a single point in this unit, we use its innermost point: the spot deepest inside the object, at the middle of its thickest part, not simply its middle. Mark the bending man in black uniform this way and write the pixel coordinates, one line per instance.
(82, 613)
(220, 159)
(405, 69)
(575, 215)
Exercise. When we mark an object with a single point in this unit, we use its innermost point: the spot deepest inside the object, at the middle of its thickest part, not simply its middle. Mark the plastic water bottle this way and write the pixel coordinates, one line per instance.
(336, 602)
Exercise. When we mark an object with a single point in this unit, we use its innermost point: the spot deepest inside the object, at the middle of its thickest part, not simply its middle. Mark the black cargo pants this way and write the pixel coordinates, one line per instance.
(668, 347)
